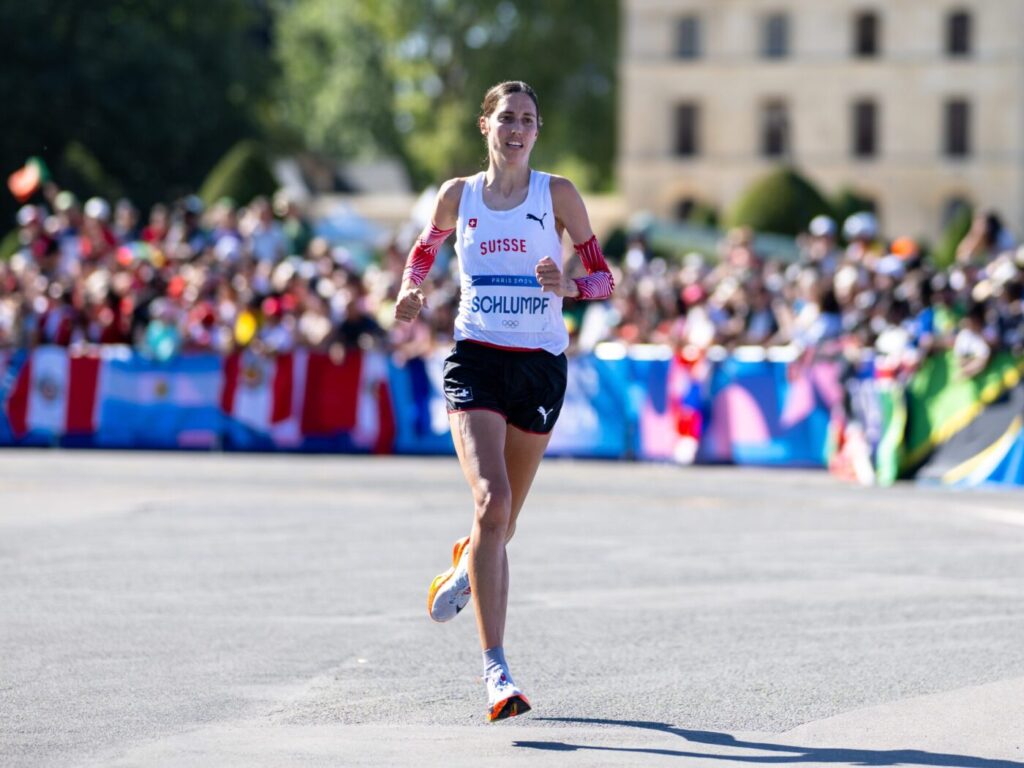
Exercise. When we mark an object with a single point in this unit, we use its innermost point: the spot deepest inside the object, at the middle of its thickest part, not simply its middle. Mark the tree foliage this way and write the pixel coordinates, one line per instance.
(143, 95)
(782, 202)
(405, 78)
(242, 174)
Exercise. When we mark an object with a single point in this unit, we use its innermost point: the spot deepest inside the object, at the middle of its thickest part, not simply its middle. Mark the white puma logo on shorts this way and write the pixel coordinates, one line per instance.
(545, 414)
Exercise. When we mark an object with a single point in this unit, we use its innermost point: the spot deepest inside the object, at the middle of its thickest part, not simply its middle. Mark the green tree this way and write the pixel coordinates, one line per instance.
(148, 95)
(405, 78)
(336, 91)
(782, 202)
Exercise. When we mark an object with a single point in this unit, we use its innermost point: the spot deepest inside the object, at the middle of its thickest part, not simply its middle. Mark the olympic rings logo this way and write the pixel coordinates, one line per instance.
(510, 323)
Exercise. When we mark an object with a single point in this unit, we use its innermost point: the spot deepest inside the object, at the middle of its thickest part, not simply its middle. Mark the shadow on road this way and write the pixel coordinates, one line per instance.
(781, 753)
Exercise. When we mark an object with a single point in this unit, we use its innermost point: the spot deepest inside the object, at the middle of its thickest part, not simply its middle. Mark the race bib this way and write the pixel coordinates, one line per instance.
(510, 303)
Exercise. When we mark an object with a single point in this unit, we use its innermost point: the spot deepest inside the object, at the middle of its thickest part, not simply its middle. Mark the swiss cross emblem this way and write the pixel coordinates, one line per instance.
(472, 223)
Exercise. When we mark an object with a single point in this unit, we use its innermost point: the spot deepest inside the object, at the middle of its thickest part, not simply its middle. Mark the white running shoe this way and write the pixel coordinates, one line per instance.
(449, 592)
(504, 699)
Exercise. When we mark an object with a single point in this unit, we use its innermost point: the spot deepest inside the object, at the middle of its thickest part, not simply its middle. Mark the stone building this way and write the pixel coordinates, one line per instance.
(915, 104)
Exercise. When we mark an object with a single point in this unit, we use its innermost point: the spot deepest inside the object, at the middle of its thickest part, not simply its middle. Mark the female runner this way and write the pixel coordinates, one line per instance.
(505, 380)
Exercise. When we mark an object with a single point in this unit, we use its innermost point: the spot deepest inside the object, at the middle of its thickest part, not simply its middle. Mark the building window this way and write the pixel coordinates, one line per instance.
(688, 38)
(865, 128)
(865, 34)
(958, 34)
(687, 130)
(958, 128)
(775, 36)
(775, 130)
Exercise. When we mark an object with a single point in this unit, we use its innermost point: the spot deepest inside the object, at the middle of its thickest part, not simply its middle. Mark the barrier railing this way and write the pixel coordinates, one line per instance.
(751, 406)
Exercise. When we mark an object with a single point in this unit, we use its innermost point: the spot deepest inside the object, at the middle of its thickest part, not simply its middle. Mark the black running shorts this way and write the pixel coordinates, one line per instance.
(526, 388)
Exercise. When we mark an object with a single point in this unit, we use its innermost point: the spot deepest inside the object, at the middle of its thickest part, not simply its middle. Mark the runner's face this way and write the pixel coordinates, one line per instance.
(511, 129)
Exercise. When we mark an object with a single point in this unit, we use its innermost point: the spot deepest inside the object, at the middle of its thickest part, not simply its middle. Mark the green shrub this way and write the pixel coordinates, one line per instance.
(782, 202)
(945, 248)
(242, 174)
(703, 215)
(9, 245)
(848, 201)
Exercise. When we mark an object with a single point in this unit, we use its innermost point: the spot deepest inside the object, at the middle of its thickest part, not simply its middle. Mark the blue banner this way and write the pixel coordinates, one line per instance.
(151, 404)
(768, 413)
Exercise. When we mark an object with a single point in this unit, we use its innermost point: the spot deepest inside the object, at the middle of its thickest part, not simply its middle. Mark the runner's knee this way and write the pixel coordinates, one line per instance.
(494, 510)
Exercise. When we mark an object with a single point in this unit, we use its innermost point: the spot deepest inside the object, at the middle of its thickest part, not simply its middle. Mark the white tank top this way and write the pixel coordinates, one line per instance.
(502, 303)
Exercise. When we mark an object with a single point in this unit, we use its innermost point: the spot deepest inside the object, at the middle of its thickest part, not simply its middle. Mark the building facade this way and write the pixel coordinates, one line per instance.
(914, 104)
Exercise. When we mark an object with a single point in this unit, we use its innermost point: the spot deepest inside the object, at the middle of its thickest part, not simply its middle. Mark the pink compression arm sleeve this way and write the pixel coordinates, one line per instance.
(421, 257)
(599, 283)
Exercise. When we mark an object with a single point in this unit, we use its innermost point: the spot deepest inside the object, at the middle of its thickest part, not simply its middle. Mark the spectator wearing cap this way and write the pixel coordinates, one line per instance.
(820, 246)
(861, 233)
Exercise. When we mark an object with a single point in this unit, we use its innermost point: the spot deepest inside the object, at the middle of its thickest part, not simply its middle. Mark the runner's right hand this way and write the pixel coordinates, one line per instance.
(410, 301)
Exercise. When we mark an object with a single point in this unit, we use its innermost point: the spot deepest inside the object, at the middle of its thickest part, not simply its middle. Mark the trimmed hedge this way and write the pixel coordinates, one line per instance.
(782, 202)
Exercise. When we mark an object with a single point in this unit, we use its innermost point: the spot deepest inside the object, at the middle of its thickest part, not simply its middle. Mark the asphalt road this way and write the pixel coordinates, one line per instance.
(204, 610)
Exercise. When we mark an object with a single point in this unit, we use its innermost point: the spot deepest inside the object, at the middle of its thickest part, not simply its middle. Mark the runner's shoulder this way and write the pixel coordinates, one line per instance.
(450, 195)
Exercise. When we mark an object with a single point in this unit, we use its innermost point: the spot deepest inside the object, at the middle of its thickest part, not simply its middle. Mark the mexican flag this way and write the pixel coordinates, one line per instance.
(27, 180)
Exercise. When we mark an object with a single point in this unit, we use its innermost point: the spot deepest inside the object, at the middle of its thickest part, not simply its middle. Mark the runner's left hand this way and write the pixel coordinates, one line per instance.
(550, 278)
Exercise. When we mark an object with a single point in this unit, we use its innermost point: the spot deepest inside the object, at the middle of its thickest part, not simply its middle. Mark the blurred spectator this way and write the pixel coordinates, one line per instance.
(820, 246)
(296, 228)
(986, 238)
(266, 237)
(970, 347)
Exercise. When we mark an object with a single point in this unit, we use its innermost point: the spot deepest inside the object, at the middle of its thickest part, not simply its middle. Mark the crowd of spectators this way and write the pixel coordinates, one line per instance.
(188, 277)
(850, 293)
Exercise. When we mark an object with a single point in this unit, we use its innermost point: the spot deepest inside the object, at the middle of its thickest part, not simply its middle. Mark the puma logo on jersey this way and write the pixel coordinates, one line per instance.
(545, 413)
(540, 221)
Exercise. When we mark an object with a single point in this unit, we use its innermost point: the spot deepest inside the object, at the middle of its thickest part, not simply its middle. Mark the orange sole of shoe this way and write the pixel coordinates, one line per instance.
(510, 707)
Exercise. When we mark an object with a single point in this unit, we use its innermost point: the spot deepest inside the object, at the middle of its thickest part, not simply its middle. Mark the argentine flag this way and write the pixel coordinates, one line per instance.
(146, 403)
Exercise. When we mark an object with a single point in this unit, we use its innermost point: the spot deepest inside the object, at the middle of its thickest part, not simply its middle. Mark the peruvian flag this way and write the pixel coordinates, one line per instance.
(350, 397)
(260, 392)
(54, 394)
(331, 403)
(375, 422)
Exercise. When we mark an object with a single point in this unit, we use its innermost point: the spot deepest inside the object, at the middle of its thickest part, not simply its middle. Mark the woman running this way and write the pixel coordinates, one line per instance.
(505, 380)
